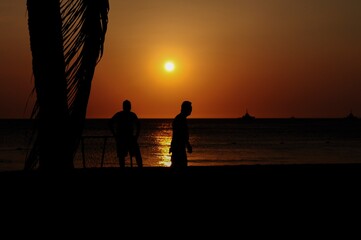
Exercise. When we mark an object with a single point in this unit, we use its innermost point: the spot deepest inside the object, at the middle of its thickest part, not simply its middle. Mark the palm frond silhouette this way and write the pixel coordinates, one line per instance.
(67, 41)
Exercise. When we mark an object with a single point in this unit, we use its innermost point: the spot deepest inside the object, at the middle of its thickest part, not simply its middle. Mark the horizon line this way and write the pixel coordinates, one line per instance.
(240, 118)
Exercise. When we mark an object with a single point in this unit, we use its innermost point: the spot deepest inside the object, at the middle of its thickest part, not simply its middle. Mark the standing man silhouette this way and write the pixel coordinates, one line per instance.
(125, 127)
(180, 137)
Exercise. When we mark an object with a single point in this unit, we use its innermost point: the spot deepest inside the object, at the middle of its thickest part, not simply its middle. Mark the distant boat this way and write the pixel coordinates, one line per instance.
(350, 116)
(247, 116)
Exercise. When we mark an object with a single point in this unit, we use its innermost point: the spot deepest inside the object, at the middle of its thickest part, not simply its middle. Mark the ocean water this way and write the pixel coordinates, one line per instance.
(215, 142)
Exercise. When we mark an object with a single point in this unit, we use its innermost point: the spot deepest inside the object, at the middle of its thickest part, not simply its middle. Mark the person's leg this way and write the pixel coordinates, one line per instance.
(179, 159)
(134, 151)
(121, 152)
(183, 161)
(138, 156)
(121, 161)
(173, 160)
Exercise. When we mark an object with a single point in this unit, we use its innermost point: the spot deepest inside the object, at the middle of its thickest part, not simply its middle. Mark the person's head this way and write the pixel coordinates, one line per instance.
(186, 108)
(127, 106)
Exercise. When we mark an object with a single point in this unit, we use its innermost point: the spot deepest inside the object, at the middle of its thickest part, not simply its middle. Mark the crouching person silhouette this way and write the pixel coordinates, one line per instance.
(125, 127)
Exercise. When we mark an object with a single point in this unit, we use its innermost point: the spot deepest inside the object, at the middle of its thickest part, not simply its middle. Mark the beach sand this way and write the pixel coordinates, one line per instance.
(205, 177)
(159, 197)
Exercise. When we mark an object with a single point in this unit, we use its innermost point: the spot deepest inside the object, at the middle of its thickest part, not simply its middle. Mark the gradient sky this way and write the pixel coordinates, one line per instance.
(276, 58)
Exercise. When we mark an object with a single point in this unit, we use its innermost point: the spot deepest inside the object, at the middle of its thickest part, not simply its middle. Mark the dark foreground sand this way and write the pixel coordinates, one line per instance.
(158, 196)
(310, 175)
(238, 171)
(220, 202)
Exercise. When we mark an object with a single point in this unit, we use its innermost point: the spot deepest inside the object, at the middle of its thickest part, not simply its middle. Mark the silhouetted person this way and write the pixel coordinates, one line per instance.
(125, 127)
(180, 137)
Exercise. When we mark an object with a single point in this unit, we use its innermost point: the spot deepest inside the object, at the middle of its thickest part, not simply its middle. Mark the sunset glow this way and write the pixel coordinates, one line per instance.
(275, 58)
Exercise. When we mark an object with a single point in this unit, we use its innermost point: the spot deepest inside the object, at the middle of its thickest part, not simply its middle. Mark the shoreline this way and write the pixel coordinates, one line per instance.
(292, 171)
(162, 185)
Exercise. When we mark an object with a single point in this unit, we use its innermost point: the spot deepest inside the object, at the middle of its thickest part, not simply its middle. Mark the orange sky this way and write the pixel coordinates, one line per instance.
(276, 58)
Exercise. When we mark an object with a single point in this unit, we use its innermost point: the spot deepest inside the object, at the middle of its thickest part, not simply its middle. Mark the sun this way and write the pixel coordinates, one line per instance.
(169, 66)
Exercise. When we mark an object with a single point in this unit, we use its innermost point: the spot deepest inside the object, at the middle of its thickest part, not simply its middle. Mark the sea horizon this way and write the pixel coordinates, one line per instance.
(216, 142)
(258, 118)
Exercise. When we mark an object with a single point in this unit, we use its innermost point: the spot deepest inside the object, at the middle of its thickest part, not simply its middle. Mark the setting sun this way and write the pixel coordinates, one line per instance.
(169, 66)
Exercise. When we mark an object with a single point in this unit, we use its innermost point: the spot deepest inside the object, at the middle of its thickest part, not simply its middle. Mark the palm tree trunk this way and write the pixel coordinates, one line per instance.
(46, 43)
(66, 39)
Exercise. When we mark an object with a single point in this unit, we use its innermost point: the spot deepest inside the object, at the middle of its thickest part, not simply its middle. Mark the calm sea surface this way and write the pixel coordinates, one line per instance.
(215, 142)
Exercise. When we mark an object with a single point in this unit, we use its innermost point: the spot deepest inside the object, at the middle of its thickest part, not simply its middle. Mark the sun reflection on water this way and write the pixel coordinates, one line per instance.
(163, 149)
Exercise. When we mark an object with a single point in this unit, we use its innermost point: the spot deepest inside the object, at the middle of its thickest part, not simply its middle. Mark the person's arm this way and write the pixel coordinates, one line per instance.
(137, 122)
(188, 144)
(189, 147)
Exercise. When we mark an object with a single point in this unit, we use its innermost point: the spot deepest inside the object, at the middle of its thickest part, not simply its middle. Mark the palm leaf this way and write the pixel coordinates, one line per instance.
(67, 42)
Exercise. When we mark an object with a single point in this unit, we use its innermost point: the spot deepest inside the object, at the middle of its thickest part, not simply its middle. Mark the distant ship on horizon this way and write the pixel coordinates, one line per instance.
(351, 116)
(247, 116)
